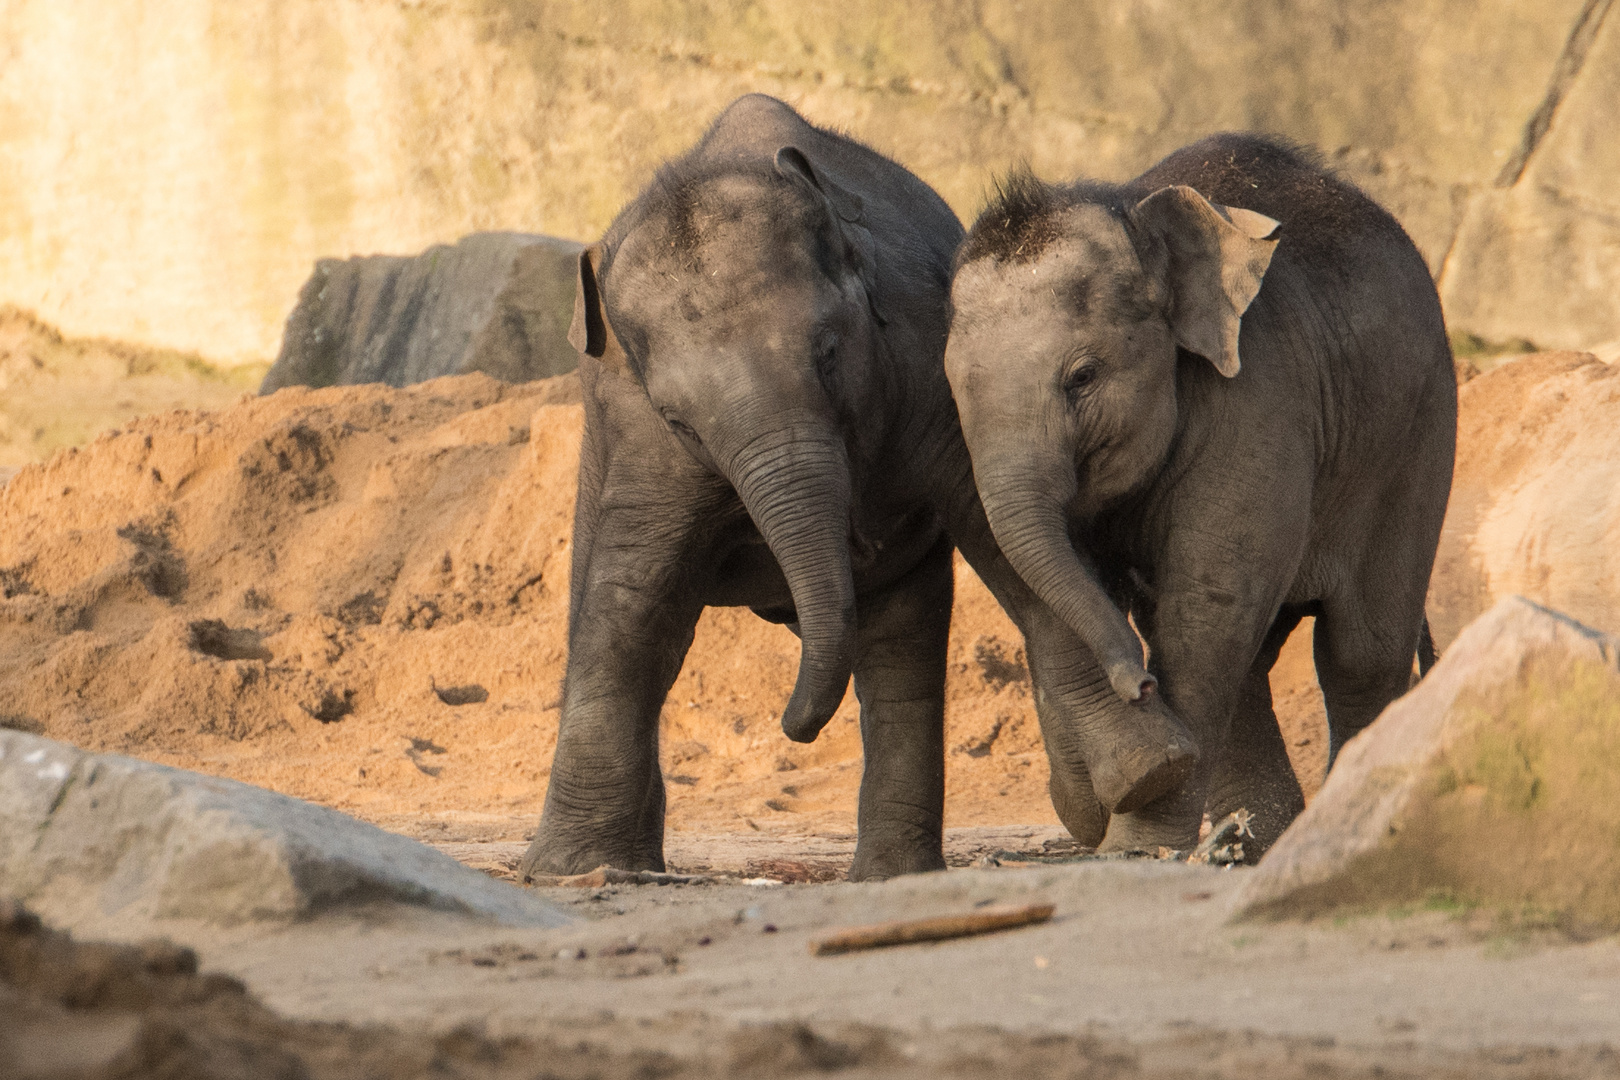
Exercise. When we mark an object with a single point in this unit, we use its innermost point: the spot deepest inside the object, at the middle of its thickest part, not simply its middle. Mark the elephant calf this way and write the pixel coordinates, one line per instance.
(1220, 397)
(748, 325)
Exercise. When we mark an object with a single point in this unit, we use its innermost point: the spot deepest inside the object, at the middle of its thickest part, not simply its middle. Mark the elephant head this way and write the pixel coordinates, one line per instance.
(1069, 307)
(739, 297)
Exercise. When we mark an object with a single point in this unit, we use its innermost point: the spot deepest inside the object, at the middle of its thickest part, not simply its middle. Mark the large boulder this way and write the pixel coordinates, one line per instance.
(499, 303)
(1535, 504)
(1494, 782)
(88, 837)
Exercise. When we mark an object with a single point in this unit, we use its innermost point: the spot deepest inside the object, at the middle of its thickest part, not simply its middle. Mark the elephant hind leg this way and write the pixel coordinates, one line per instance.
(1373, 623)
(1254, 772)
(1364, 651)
(903, 633)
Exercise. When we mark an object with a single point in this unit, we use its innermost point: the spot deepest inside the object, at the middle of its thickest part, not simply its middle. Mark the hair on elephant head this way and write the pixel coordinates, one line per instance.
(740, 298)
(1071, 306)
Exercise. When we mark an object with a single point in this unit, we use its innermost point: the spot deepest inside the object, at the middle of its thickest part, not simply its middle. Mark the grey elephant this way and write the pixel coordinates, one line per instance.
(767, 424)
(1217, 398)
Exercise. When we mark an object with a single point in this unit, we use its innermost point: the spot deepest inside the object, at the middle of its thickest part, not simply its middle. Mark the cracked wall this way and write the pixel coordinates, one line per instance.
(170, 169)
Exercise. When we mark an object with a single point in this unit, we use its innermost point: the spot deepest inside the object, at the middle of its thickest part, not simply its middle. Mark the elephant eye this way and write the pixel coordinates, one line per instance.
(1081, 378)
(679, 426)
(826, 357)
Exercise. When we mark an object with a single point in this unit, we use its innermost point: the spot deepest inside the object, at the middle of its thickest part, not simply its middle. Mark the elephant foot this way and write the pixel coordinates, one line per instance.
(1128, 832)
(552, 855)
(878, 862)
(1266, 815)
(1078, 809)
(1144, 761)
(1169, 822)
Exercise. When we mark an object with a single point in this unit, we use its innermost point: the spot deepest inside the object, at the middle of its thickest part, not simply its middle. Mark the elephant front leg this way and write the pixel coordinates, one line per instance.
(1206, 641)
(629, 635)
(1254, 772)
(900, 682)
(1070, 689)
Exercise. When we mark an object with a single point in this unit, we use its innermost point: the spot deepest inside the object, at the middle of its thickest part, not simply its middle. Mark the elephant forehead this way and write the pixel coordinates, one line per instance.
(1091, 270)
(721, 218)
(726, 285)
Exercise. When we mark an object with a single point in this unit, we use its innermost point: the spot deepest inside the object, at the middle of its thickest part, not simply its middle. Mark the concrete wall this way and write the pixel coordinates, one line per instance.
(170, 169)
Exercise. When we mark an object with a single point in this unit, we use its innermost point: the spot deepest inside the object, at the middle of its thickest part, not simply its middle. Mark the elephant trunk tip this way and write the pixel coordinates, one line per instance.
(1133, 683)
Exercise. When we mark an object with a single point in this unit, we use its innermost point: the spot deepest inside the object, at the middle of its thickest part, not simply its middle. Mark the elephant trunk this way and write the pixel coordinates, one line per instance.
(1025, 504)
(795, 485)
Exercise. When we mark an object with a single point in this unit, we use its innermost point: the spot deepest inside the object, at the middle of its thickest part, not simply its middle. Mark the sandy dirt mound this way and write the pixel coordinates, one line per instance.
(57, 392)
(1535, 506)
(94, 1011)
(358, 596)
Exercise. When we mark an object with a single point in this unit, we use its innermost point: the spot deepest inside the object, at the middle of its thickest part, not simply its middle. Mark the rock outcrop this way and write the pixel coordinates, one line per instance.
(499, 303)
(1493, 782)
(90, 836)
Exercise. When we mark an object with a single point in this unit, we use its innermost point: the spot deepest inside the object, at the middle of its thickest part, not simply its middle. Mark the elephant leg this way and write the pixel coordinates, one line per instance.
(903, 633)
(1099, 750)
(1203, 693)
(1368, 633)
(1254, 772)
(1203, 631)
(1069, 685)
(631, 626)
(1102, 751)
(1364, 648)
(1209, 606)
(1371, 623)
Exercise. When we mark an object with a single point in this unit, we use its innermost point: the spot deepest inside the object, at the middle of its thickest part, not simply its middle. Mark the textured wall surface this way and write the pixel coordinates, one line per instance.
(170, 169)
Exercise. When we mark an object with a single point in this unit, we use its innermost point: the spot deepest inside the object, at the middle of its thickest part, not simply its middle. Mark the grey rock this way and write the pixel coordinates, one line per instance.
(499, 303)
(1492, 782)
(88, 837)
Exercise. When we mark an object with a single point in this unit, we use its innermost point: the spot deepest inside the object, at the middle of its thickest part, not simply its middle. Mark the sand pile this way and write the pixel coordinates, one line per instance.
(1535, 506)
(358, 596)
(58, 391)
(97, 1011)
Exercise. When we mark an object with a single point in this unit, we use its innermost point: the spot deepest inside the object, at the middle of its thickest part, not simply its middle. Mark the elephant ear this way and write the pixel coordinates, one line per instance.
(846, 212)
(1218, 256)
(589, 332)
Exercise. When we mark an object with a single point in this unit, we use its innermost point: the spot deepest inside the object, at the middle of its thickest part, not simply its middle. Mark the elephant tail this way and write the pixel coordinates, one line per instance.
(1426, 655)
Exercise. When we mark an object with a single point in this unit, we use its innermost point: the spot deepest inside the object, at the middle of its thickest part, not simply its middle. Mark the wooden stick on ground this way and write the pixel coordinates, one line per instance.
(938, 928)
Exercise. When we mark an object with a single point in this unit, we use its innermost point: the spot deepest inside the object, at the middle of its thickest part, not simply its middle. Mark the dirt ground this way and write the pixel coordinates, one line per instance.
(1139, 974)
